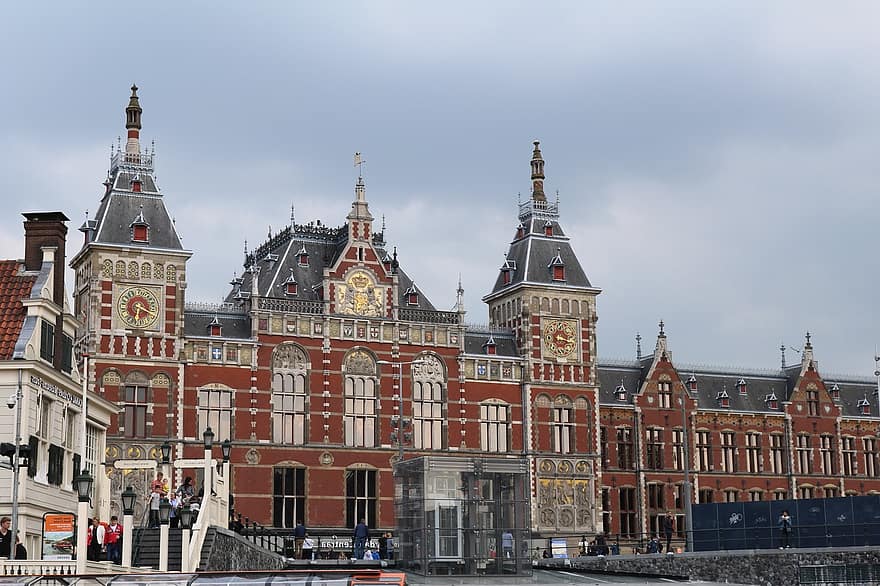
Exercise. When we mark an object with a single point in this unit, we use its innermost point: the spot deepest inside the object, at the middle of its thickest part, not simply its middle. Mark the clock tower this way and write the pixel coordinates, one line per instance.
(543, 296)
(129, 294)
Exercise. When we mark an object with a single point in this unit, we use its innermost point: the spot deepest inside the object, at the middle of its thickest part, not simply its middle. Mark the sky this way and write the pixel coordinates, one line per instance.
(715, 161)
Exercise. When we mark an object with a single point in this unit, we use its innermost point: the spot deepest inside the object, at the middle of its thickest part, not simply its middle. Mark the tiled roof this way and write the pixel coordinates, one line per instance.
(13, 288)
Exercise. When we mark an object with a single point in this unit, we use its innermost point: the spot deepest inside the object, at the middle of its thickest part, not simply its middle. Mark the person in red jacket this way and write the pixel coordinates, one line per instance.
(113, 540)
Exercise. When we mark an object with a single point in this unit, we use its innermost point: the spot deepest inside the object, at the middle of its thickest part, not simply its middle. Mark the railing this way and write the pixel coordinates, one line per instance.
(428, 316)
(290, 305)
(135, 161)
(214, 510)
(206, 307)
(62, 568)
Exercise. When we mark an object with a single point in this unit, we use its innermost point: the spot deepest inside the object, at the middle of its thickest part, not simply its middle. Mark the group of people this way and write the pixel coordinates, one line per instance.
(183, 496)
(6, 542)
(308, 548)
(104, 540)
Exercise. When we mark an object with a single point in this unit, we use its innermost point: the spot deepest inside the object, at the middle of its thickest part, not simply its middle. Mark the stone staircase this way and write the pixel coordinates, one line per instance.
(145, 552)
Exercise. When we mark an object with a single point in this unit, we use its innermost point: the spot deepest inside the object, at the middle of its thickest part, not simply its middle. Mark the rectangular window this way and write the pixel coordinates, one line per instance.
(831, 492)
(134, 418)
(704, 451)
(805, 492)
(872, 465)
(654, 449)
(289, 408)
(67, 354)
(706, 495)
(56, 465)
(625, 459)
(780, 495)
(603, 447)
(730, 495)
(665, 395)
(826, 451)
(756, 495)
(494, 427)
(360, 497)
(91, 461)
(33, 460)
(677, 449)
(754, 461)
(215, 411)
(656, 507)
(289, 497)
(777, 454)
(47, 341)
(628, 526)
(606, 509)
(804, 454)
(562, 429)
(850, 462)
(813, 402)
(360, 412)
(428, 415)
(728, 451)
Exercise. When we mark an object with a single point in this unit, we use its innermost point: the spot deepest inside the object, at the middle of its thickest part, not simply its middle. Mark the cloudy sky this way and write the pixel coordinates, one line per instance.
(716, 162)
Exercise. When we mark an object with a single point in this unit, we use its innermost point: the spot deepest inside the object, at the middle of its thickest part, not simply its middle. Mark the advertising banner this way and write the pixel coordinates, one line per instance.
(59, 536)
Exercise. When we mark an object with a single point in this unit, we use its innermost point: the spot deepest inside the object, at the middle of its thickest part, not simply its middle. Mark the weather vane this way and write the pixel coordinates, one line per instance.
(359, 163)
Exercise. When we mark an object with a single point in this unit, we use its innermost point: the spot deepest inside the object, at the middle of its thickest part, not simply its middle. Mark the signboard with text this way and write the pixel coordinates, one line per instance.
(59, 536)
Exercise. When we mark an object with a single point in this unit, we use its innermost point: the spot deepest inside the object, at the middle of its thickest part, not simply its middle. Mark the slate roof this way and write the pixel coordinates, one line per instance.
(612, 374)
(757, 388)
(234, 325)
(14, 286)
(118, 210)
(475, 342)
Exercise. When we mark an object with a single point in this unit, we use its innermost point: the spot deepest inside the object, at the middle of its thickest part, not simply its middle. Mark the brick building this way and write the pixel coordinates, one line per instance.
(324, 354)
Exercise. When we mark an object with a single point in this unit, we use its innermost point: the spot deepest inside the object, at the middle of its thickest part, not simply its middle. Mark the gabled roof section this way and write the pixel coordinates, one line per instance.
(538, 241)
(476, 338)
(198, 316)
(15, 285)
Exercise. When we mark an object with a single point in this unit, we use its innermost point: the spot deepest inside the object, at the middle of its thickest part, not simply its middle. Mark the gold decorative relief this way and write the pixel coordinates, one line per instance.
(359, 295)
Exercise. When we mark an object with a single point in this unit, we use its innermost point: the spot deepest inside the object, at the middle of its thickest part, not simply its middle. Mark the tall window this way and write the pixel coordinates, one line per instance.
(628, 526)
(562, 425)
(429, 389)
(805, 492)
(606, 509)
(360, 400)
(625, 459)
(215, 410)
(753, 452)
(756, 494)
(289, 395)
(704, 450)
(288, 497)
(47, 341)
(360, 497)
(677, 449)
(812, 402)
(656, 508)
(731, 495)
(134, 419)
(826, 451)
(777, 454)
(804, 454)
(850, 463)
(872, 465)
(654, 449)
(664, 397)
(603, 447)
(728, 451)
(494, 427)
(706, 495)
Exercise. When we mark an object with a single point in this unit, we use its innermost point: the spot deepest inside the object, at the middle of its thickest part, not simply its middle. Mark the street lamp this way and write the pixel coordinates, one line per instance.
(166, 452)
(129, 496)
(686, 485)
(226, 448)
(401, 422)
(208, 483)
(186, 516)
(164, 518)
(16, 466)
(82, 482)
(208, 438)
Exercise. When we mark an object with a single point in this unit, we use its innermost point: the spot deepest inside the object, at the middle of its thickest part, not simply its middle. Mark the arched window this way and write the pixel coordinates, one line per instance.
(360, 399)
(429, 396)
(215, 410)
(289, 395)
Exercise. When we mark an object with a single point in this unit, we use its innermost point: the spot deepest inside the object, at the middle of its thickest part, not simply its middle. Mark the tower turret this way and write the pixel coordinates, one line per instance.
(538, 174)
(133, 123)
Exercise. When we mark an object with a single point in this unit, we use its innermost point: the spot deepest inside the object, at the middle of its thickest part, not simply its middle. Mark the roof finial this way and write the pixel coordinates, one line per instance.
(383, 223)
(359, 163)
(661, 324)
(782, 351)
(133, 123)
(292, 223)
(538, 174)
(638, 345)
(808, 344)
(394, 263)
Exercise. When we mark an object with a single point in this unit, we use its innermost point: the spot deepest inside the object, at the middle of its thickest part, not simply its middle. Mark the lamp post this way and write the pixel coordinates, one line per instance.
(83, 484)
(226, 449)
(185, 523)
(876, 373)
(164, 518)
(686, 485)
(208, 483)
(401, 422)
(128, 498)
(16, 466)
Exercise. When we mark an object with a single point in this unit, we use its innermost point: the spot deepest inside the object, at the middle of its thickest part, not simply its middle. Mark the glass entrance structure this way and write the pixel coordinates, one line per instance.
(460, 515)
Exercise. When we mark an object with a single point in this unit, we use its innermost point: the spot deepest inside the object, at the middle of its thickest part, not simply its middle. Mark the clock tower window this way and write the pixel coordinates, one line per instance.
(557, 267)
(548, 229)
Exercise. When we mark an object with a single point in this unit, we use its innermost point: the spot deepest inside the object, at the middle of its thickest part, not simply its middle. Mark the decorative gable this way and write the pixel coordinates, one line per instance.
(215, 328)
(692, 383)
(834, 391)
(723, 399)
(303, 256)
(771, 401)
(507, 270)
(140, 228)
(412, 295)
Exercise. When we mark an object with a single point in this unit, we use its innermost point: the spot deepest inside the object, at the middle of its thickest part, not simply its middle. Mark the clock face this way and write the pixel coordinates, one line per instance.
(560, 338)
(138, 307)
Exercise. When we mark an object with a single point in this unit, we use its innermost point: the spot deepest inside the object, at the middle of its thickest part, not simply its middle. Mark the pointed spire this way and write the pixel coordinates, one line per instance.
(638, 345)
(660, 348)
(459, 296)
(292, 217)
(807, 357)
(133, 123)
(662, 334)
(782, 351)
(394, 263)
(538, 174)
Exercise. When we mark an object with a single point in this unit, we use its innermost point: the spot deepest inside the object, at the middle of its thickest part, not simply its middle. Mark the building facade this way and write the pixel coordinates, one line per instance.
(325, 355)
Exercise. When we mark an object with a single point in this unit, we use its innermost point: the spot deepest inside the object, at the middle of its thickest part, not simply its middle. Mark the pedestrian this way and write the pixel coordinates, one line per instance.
(186, 490)
(389, 544)
(546, 555)
(668, 524)
(95, 540)
(299, 536)
(785, 530)
(5, 538)
(507, 543)
(361, 534)
(113, 540)
(20, 551)
(308, 548)
(153, 503)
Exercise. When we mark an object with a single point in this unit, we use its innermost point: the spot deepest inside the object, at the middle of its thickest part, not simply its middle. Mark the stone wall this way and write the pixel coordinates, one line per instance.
(230, 551)
(753, 567)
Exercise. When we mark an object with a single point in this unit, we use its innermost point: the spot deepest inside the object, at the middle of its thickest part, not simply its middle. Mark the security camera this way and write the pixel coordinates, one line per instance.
(10, 402)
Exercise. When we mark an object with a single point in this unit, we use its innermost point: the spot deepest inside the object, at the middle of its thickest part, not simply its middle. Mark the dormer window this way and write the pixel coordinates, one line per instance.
(723, 399)
(548, 228)
(692, 384)
(864, 406)
(741, 386)
(412, 295)
(557, 267)
(215, 328)
(507, 270)
(290, 285)
(136, 184)
(319, 291)
(303, 256)
(490, 346)
(140, 229)
(520, 231)
(771, 401)
(834, 391)
(620, 392)
(387, 261)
